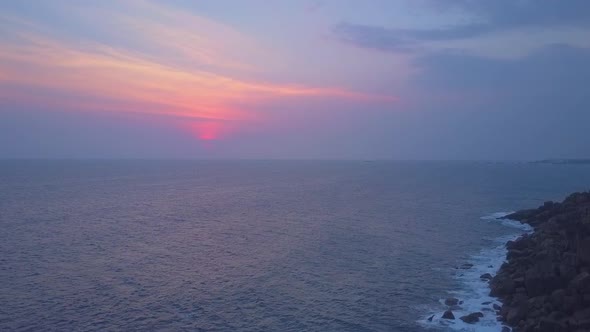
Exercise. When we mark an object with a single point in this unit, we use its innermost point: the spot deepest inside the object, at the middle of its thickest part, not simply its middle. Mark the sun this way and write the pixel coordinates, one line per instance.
(207, 130)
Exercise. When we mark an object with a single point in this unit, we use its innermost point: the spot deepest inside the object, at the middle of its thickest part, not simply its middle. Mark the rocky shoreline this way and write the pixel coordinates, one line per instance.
(545, 283)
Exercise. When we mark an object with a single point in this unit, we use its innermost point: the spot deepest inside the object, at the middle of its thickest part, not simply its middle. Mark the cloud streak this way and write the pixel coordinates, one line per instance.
(186, 66)
(483, 17)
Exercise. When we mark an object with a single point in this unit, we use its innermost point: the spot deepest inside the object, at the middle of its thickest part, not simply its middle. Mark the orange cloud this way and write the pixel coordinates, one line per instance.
(189, 66)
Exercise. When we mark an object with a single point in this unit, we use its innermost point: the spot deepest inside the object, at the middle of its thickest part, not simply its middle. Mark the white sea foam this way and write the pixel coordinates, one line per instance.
(497, 217)
(475, 292)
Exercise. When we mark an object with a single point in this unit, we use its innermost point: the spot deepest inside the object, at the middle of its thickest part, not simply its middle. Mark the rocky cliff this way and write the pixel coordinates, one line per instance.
(545, 283)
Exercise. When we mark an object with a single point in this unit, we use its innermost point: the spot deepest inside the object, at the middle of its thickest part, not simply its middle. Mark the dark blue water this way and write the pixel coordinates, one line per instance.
(249, 245)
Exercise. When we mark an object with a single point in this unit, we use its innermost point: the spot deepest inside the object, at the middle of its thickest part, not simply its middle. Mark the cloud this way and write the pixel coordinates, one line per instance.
(373, 37)
(482, 17)
(533, 107)
(152, 59)
(314, 6)
(400, 40)
(554, 69)
(502, 14)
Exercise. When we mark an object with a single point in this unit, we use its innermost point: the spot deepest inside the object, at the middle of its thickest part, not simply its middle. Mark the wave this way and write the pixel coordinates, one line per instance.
(498, 217)
(474, 291)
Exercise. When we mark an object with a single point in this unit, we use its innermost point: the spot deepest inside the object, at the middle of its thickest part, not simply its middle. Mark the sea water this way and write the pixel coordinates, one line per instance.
(258, 245)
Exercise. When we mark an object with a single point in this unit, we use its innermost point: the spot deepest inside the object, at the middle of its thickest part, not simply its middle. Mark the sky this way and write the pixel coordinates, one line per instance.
(295, 79)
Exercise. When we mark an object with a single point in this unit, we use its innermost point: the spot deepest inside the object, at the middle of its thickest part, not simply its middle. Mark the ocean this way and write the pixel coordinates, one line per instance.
(150, 245)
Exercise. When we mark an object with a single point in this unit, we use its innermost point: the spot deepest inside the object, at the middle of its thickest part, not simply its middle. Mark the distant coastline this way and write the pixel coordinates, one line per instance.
(563, 161)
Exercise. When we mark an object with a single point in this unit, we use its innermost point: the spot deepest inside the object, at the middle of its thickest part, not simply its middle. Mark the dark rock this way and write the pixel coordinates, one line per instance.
(569, 303)
(430, 318)
(557, 298)
(521, 215)
(517, 314)
(583, 314)
(518, 282)
(515, 253)
(582, 325)
(534, 314)
(537, 302)
(557, 315)
(581, 282)
(451, 301)
(472, 317)
(466, 266)
(502, 285)
(486, 276)
(547, 308)
(448, 315)
(545, 283)
(551, 325)
(518, 299)
(584, 252)
(540, 279)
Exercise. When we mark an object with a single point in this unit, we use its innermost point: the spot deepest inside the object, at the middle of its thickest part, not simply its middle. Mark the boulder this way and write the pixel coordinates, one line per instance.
(582, 325)
(518, 299)
(502, 285)
(448, 315)
(472, 317)
(518, 282)
(583, 314)
(584, 251)
(486, 276)
(537, 302)
(581, 282)
(557, 298)
(451, 301)
(557, 315)
(540, 280)
(521, 215)
(516, 314)
(569, 303)
(551, 325)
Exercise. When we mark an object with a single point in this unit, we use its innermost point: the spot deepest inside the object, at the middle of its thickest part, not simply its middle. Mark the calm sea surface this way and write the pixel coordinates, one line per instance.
(249, 245)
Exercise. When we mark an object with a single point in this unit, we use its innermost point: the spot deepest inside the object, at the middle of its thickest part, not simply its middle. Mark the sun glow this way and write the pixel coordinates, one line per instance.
(208, 130)
(173, 69)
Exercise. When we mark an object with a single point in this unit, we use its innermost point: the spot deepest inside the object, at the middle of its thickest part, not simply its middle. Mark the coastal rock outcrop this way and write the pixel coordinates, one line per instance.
(545, 283)
(448, 315)
(472, 317)
(451, 301)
